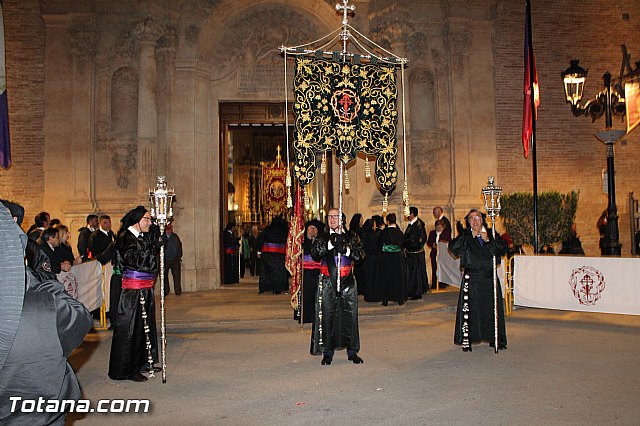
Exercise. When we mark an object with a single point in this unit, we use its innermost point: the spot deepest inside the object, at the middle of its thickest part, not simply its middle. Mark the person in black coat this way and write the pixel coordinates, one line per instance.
(392, 273)
(138, 246)
(273, 243)
(476, 247)
(102, 241)
(231, 248)
(83, 237)
(336, 322)
(40, 325)
(311, 272)
(415, 237)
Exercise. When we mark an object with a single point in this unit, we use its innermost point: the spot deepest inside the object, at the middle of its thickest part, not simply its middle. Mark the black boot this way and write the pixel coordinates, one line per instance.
(355, 359)
(326, 360)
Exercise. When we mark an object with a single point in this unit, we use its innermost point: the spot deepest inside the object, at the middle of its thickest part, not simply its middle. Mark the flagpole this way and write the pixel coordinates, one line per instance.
(534, 159)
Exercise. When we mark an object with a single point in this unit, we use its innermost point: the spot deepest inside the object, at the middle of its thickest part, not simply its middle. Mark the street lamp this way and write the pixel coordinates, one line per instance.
(608, 103)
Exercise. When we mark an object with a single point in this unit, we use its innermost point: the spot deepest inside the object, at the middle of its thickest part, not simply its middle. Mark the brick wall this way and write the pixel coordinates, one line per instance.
(24, 46)
(569, 156)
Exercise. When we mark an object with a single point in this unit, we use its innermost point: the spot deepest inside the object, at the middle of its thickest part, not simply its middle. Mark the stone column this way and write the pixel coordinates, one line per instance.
(147, 31)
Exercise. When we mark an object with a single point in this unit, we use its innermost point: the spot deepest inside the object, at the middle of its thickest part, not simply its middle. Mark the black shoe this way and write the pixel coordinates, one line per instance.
(415, 298)
(469, 349)
(355, 359)
(385, 303)
(326, 360)
(138, 377)
(500, 346)
(400, 303)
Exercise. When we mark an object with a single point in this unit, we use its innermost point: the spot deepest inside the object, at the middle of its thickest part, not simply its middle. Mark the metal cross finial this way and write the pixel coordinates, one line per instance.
(491, 195)
(345, 10)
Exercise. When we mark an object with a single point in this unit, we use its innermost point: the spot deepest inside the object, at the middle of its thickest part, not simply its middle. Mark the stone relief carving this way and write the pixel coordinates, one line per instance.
(169, 40)
(148, 29)
(255, 37)
(121, 154)
(417, 46)
(192, 34)
(83, 41)
(125, 46)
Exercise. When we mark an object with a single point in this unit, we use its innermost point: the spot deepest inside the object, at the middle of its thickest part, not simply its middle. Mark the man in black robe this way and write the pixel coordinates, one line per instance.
(392, 272)
(231, 248)
(311, 272)
(134, 344)
(475, 319)
(273, 245)
(372, 290)
(254, 260)
(40, 325)
(415, 237)
(336, 321)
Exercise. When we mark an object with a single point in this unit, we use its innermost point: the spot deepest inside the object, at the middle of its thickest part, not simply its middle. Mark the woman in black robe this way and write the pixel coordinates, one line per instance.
(475, 247)
(392, 273)
(355, 227)
(135, 339)
(231, 249)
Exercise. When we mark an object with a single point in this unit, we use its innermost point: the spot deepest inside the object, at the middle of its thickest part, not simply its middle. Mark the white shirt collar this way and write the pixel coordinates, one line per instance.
(105, 232)
(134, 231)
(415, 219)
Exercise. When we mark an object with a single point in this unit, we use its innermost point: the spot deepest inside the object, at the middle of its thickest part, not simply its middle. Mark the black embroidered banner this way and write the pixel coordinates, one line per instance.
(348, 108)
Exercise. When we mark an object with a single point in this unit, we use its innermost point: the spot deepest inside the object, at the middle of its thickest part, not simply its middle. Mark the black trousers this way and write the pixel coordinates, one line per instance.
(173, 265)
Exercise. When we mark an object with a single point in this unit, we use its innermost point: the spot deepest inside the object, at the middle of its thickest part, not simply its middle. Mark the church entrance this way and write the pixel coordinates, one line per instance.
(252, 164)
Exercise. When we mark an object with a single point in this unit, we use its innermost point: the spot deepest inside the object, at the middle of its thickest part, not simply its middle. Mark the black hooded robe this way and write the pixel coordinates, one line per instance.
(415, 237)
(477, 286)
(273, 244)
(392, 273)
(336, 318)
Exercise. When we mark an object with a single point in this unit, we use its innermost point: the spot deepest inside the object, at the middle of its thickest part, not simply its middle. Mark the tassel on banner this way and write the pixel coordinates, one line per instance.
(287, 181)
(347, 183)
(323, 164)
(405, 199)
(385, 203)
(307, 203)
(367, 168)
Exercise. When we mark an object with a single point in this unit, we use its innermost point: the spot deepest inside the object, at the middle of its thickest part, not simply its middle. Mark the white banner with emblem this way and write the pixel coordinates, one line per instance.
(88, 282)
(589, 284)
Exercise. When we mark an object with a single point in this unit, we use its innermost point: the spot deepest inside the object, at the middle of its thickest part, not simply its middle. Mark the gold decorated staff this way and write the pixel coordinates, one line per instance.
(491, 195)
(162, 213)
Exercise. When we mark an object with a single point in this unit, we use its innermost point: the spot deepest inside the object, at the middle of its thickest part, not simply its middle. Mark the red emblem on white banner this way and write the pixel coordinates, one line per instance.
(587, 284)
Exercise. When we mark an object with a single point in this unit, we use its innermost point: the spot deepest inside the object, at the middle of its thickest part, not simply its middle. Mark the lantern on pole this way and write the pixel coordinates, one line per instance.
(161, 200)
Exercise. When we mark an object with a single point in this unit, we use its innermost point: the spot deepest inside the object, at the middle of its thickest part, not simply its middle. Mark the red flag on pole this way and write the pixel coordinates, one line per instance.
(530, 85)
(295, 255)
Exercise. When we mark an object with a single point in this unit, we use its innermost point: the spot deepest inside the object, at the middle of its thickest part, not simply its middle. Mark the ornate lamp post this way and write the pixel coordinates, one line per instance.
(161, 200)
(608, 103)
(491, 195)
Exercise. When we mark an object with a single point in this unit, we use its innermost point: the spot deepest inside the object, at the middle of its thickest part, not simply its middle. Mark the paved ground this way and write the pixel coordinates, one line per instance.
(236, 358)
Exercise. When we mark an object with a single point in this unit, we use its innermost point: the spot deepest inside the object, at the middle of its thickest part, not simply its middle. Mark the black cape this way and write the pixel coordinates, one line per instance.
(477, 285)
(309, 285)
(415, 237)
(273, 274)
(392, 274)
(231, 266)
(336, 321)
(128, 346)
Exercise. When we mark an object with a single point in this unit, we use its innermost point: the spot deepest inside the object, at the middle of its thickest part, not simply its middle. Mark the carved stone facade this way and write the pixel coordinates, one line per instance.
(132, 89)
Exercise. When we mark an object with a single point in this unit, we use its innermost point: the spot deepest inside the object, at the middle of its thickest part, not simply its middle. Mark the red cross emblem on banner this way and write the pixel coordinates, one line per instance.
(345, 104)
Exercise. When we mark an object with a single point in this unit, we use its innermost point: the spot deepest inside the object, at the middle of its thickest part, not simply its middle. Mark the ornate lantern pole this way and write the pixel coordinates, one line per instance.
(491, 195)
(161, 200)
